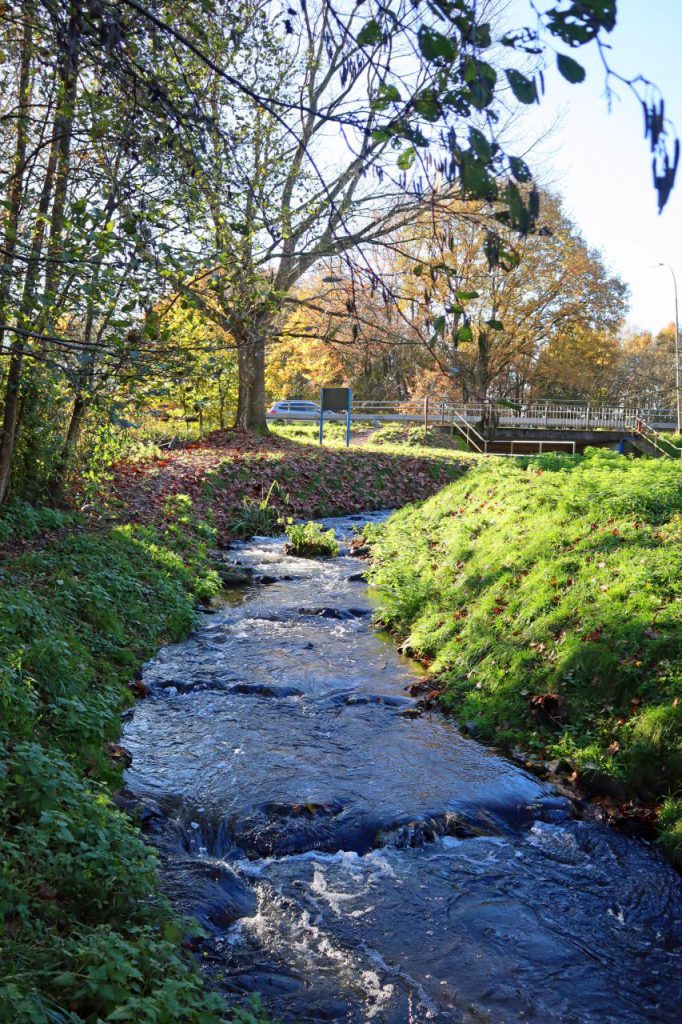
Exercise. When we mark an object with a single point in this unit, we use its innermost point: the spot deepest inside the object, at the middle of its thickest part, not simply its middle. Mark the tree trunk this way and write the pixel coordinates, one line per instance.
(9, 422)
(59, 157)
(16, 184)
(483, 375)
(11, 400)
(57, 485)
(251, 365)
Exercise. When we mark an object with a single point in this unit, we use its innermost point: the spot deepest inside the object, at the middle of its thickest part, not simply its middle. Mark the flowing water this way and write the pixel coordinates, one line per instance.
(355, 862)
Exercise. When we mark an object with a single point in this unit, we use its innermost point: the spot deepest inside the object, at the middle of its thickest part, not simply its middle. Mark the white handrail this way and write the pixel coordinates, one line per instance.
(537, 414)
(468, 432)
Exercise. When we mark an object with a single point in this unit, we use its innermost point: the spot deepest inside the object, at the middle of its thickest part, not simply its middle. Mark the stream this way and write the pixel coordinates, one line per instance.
(354, 861)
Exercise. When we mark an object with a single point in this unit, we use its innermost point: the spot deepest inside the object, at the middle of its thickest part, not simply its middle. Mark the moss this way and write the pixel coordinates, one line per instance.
(553, 576)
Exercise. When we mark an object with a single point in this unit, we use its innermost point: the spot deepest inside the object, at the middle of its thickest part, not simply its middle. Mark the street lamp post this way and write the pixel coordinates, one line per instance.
(678, 394)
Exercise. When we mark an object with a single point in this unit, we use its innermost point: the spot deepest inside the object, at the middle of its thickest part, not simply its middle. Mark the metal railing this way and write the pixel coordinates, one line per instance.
(472, 437)
(545, 413)
(471, 419)
(661, 444)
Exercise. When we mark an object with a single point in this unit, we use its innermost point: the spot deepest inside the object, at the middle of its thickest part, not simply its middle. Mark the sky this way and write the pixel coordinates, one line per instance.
(601, 165)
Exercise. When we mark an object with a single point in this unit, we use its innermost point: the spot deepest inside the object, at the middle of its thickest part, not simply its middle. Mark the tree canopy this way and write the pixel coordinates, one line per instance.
(445, 322)
(173, 176)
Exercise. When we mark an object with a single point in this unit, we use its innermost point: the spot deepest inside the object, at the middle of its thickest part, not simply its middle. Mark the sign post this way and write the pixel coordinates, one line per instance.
(336, 400)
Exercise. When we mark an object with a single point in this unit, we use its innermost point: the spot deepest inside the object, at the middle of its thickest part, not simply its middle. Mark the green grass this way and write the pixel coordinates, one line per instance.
(673, 444)
(334, 432)
(309, 540)
(390, 438)
(560, 576)
(409, 438)
(83, 937)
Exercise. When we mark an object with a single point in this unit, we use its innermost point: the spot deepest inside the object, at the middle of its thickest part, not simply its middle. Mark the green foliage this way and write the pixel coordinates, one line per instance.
(453, 38)
(309, 540)
(257, 517)
(83, 937)
(102, 446)
(673, 441)
(556, 575)
(397, 435)
(571, 70)
(21, 521)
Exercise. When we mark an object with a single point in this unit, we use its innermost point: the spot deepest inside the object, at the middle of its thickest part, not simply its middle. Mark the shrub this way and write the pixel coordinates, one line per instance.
(672, 444)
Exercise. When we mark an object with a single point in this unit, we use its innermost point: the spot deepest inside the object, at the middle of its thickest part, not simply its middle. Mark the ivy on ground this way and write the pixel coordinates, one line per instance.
(83, 935)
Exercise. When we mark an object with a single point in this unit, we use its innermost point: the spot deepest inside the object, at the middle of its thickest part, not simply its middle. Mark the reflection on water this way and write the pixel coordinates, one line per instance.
(356, 863)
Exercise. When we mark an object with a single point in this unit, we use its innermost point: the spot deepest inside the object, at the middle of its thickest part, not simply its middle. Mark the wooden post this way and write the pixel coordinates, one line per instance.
(426, 416)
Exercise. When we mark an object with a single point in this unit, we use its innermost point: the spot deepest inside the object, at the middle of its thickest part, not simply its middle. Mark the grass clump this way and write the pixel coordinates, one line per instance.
(547, 594)
(256, 517)
(83, 937)
(309, 540)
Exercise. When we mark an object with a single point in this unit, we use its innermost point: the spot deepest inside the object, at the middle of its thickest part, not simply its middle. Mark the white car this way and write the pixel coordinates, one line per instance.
(300, 409)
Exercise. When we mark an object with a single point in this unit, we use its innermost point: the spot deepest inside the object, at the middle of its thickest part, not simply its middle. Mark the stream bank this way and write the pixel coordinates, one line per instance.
(546, 597)
(82, 933)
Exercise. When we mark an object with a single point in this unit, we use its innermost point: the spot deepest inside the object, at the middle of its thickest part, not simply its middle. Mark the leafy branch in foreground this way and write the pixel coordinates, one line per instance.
(456, 39)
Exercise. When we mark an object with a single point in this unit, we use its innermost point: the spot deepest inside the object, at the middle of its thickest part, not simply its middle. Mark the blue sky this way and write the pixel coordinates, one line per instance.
(600, 163)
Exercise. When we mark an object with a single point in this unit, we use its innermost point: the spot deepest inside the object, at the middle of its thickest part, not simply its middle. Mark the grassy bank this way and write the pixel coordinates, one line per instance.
(547, 598)
(230, 468)
(84, 938)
